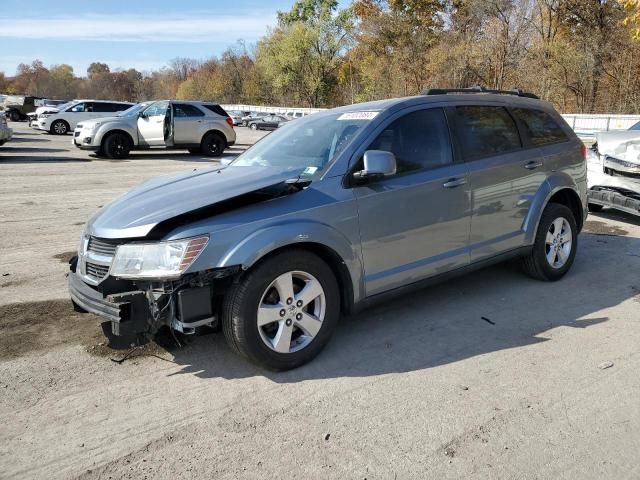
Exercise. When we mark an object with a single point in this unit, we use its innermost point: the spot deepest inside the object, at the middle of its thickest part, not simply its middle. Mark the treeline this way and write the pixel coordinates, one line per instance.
(582, 55)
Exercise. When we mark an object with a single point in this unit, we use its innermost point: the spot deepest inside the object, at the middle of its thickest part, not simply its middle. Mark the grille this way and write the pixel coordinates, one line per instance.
(102, 247)
(97, 272)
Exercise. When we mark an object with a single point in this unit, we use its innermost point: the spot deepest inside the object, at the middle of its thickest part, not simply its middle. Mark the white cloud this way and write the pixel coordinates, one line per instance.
(204, 27)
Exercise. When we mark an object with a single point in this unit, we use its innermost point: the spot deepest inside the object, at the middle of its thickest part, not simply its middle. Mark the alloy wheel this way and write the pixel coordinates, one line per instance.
(558, 243)
(291, 312)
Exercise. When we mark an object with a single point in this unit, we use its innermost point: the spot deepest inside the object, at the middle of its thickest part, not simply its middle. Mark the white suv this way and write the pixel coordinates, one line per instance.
(200, 127)
(66, 119)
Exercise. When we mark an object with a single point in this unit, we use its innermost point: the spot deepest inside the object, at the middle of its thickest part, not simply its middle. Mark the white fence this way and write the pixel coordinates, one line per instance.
(269, 109)
(582, 123)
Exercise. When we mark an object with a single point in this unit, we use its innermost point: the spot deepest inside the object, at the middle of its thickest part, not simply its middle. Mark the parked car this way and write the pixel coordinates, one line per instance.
(294, 115)
(16, 107)
(5, 132)
(268, 122)
(276, 245)
(200, 127)
(65, 120)
(48, 106)
(252, 116)
(614, 171)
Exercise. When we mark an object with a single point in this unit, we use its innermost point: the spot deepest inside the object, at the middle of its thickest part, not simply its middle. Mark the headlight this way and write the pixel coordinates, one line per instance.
(44, 115)
(156, 260)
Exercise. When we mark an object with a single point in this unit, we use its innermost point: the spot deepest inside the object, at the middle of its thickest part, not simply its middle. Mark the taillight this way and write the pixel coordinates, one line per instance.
(584, 152)
(229, 121)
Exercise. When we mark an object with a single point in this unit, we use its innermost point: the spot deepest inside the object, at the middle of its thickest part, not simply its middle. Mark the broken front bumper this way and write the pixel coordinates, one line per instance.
(128, 312)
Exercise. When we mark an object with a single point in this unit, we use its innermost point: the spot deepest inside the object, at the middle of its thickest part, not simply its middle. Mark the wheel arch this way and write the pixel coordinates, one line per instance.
(107, 134)
(60, 120)
(558, 189)
(327, 243)
(216, 131)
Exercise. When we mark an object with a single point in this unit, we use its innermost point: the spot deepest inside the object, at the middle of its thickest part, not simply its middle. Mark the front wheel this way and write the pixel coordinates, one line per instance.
(555, 245)
(117, 146)
(59, 127)
(281, 313)
(254, 126)
(14, 116)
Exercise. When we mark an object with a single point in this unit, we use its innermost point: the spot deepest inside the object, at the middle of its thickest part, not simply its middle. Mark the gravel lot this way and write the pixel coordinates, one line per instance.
(545, 386)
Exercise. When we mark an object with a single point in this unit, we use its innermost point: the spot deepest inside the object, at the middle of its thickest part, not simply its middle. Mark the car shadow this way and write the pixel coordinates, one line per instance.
(493, 309)
(613, 214)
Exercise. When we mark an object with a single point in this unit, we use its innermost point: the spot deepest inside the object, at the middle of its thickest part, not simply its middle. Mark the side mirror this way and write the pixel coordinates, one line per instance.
(141, 114)
(377, 164)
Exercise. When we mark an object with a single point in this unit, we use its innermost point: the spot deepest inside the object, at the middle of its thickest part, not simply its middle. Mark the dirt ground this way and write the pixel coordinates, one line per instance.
(492, 375)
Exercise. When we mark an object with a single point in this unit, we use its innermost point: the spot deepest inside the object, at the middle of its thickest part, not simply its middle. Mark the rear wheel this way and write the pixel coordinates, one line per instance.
(59, 127)
(555, 245)
(254, 126)
(282, 313)
(117, 146)
(14, 116)
(213, 145)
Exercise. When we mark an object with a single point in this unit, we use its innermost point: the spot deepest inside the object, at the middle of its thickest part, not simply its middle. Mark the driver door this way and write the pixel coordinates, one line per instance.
(153, 125)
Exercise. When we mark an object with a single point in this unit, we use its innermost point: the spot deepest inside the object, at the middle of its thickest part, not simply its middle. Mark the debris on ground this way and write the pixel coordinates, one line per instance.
(605, 365)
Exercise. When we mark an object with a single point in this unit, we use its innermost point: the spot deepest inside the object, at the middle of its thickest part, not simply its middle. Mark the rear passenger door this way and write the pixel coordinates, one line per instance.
(187, 122)
(414, 224)
(504, 177)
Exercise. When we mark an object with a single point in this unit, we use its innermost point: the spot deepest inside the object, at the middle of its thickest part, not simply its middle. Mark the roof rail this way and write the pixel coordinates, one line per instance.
(478, 89)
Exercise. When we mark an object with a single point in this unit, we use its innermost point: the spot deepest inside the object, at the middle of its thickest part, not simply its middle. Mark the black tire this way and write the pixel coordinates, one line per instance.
(59, 127)
(14, 116)
(213, 145)
(244, 123)
(595, 208)
(195, 151)
(116, 146)
(2, 142)
(536, 264)
(254, 126)
(239, 312)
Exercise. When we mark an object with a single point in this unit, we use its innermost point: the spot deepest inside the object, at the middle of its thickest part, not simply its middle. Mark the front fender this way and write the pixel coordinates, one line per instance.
(553, 184)
(107, 128)
(266, 240)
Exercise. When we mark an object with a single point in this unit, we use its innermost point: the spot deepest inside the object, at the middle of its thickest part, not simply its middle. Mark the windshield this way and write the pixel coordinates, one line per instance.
(62, 106)
(133, 110)
(311, 143)
(635, 127)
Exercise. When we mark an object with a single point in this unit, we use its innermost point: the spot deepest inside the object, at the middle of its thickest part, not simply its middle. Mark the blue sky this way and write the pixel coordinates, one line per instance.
(144, 34)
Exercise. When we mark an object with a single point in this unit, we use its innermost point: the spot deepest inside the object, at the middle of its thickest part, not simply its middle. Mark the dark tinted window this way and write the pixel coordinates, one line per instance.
(540, 126)
(216, 109)
(418, 140)
(184, 110)
(119, 107)
(103, 107)
(485, 130)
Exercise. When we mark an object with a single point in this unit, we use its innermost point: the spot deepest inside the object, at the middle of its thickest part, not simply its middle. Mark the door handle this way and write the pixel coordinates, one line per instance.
(454, 182)
(532, 165)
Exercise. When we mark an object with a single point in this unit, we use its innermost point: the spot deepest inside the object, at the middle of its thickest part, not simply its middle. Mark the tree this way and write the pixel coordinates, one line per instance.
(632, 9)
(96, 69)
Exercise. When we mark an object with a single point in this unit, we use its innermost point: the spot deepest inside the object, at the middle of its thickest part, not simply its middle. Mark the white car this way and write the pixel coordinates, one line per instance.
(5, 132)
(33, 116)
(200, 127)
(66, 119)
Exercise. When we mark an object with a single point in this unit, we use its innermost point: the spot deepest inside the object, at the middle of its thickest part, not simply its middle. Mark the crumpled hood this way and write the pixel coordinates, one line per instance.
(138, 211)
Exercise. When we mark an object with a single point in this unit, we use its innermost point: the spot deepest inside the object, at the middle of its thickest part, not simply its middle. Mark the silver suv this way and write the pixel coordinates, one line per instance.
(200, 127)
(333, 212)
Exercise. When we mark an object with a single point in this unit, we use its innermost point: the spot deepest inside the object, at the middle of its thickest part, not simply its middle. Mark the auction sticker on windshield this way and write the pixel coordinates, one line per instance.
(358, 116)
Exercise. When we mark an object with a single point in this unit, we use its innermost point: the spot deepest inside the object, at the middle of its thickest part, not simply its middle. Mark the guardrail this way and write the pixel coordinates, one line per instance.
(270, 109)
(591, 123)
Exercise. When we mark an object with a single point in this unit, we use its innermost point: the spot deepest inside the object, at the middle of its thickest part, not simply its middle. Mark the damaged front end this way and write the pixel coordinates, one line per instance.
(614, 173)
(135, 309)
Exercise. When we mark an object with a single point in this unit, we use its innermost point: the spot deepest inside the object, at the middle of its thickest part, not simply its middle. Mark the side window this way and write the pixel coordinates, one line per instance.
(77, 108)
(216, 109)
(88, 107)
(158, 109)
(102, 107)
(540, 126)
(486, 130)
(119, 107)
(419, 140)
(182, 110)
(635, 127)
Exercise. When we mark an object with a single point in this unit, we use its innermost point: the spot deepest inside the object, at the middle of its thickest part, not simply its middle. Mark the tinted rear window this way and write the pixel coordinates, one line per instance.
(103, 107)
(186, 110)
(216, 109)
(540, 126)
(486, 130)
